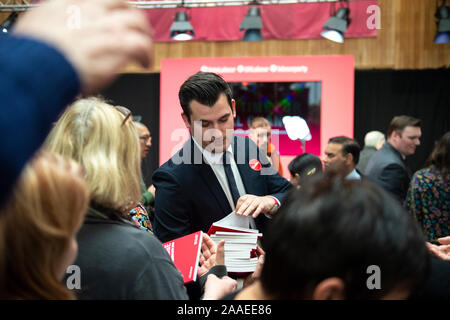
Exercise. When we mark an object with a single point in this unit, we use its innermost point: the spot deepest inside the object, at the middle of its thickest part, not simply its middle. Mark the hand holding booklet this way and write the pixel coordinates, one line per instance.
(185, 254)
(240, 242)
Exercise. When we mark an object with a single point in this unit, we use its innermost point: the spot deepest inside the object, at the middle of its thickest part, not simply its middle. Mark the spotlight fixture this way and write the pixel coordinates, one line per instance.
(297, 129)
(6, 26)
(335, 28)
(252, 25)
(181, 28)
(443, 24)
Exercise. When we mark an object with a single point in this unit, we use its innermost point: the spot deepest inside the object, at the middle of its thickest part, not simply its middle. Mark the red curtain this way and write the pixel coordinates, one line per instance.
(284, 21)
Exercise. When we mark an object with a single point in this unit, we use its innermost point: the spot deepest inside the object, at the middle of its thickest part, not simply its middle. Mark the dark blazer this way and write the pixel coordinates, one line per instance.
(388, 170)
(189, 197)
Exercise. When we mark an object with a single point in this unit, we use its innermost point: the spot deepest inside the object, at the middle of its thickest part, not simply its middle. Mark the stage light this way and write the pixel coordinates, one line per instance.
(335, 28)
(297, 129)
(443, 24)
(6, 26)
(252, 25)
(181, 29)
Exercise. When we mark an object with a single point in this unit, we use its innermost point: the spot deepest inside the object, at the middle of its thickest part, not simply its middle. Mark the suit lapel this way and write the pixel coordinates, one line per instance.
(209, 178)
(241, 154)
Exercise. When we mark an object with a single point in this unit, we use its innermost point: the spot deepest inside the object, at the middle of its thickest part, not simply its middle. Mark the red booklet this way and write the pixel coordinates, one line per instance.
(185, 254)
(219, 227)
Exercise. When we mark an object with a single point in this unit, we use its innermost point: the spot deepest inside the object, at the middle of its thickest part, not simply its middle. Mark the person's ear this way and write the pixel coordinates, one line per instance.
(348, 159)
(329, 289)
(186, 120)
(233, 107)
(294, 179)
(397, 134)
(297, 180)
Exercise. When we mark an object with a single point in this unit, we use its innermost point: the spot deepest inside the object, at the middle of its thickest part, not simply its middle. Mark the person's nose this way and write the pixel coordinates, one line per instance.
(219, 128)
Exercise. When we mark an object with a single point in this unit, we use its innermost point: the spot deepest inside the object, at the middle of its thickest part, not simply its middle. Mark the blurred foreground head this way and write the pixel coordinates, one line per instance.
(38, 225)
(326, 239)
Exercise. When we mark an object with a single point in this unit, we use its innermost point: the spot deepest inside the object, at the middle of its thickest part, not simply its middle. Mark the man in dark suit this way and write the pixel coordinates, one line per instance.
(388, 166)
(215, 172)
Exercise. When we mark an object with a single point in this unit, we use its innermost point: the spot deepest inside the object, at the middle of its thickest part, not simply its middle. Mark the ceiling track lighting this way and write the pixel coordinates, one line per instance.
(6, 26)
(443, 23)
(252, 25)
(334, 29)
(181, 29)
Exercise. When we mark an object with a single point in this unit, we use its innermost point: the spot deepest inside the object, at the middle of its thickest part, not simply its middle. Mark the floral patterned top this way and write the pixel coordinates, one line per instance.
(140, 217)
(428, 200)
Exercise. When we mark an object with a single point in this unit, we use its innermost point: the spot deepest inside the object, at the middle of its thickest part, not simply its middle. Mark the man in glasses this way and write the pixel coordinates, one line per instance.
(145, 140)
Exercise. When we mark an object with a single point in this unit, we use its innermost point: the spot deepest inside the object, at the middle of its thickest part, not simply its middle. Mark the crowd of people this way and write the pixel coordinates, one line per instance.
(73, 193)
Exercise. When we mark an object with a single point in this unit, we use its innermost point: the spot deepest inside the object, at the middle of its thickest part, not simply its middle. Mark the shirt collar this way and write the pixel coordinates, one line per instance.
(212, 158)
(354, 175)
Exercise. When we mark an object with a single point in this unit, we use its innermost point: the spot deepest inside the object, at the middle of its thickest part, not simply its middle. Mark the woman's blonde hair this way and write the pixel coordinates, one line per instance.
(105, 142)
(37, 225)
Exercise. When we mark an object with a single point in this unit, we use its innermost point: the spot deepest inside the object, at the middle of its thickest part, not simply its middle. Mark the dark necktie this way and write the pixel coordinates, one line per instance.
(230, 177)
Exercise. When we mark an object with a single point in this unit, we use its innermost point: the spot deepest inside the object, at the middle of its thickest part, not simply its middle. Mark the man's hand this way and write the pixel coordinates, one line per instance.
(98, 37)
(211, 254)
(253, 205)
(442, 251)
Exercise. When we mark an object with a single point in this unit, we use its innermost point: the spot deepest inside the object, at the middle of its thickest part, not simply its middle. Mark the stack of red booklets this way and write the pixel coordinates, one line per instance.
(240, 246)
(185, 254)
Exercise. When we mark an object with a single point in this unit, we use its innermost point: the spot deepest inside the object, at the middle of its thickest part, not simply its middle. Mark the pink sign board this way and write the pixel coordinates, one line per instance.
(334, 73)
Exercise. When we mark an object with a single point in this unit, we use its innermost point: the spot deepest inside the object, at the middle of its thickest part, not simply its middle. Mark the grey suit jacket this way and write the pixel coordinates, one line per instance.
(364, 158)
(388, 170)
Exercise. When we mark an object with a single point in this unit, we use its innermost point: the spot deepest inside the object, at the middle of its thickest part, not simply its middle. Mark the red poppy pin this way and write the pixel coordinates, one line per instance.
(255, 164)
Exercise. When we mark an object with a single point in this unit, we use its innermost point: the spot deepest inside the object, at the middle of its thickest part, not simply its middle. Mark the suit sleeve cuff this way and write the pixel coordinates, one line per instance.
(218, 270)
(275, 207)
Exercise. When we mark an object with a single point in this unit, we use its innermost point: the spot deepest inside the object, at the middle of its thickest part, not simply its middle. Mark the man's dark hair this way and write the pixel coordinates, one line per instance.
(338, 228)
(399, 123)
(348, 146)
(205, 88)
(305, 165)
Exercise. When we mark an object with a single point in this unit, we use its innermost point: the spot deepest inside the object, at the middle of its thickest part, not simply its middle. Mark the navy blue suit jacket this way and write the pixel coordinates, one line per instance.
(189, 197)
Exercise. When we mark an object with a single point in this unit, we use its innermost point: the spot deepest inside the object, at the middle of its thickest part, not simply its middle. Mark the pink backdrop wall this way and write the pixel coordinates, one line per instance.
(335, 72)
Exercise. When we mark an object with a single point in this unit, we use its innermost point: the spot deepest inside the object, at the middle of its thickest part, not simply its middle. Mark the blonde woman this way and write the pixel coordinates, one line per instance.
(116, 258)
(38, 225)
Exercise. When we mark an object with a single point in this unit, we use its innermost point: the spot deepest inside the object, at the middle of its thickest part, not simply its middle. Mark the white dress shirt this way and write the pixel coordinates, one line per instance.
(215, 161)
(354, 175)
